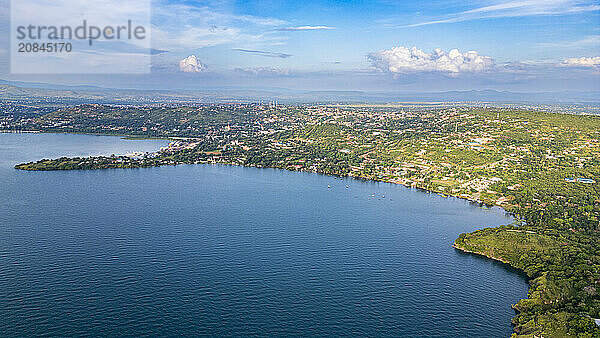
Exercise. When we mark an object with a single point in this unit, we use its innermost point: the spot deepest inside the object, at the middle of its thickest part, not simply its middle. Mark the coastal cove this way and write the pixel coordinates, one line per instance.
(230, 250)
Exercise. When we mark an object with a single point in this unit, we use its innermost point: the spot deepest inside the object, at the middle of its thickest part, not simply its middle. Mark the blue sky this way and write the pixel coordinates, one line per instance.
(521, 45)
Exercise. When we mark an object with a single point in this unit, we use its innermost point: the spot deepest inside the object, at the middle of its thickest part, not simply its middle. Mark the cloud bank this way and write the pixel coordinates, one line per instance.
(587, 62)
(191, 64)
(403, 60)
(263, 71)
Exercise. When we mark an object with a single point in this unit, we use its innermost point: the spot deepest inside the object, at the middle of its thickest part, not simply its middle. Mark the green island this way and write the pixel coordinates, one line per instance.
(541, 167)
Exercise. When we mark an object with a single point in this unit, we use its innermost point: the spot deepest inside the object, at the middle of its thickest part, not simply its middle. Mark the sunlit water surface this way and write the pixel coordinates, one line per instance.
(221, 250)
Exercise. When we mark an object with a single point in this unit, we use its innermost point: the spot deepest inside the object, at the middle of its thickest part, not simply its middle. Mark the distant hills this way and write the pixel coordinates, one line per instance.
(21, 90)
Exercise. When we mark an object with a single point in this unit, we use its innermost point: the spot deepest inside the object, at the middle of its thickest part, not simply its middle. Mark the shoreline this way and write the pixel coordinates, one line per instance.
(410, 185)
(123, 136)
(487, 256)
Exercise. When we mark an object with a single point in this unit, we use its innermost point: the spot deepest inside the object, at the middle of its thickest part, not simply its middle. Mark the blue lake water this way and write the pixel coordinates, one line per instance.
(230, 251)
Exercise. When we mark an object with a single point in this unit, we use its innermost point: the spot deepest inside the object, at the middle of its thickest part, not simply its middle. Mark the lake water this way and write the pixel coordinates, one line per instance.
(229, 251)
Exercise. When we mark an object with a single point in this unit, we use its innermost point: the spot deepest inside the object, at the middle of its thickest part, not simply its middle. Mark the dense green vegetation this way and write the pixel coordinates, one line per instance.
(562, 267)
(541, 167)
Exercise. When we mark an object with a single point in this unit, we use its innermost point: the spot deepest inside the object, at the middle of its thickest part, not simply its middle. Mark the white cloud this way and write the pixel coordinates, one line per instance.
(263, 71)
(587, 62)
(402, 60)
(191, 64)
(519, 8)
(304, 28)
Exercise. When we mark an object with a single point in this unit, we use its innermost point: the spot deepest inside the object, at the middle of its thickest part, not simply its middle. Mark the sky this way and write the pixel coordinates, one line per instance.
(520, 45)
